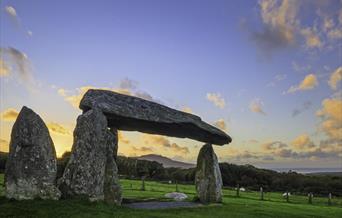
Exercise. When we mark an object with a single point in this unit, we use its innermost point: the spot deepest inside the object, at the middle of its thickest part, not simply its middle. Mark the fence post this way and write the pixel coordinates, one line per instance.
(238, 190)
(261, 194)
(329, 199)
(310, 198)
(143, 184)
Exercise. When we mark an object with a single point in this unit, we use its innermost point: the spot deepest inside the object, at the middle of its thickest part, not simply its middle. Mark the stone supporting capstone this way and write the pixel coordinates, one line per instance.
(208, 178)
(112, 189)
(91, 172)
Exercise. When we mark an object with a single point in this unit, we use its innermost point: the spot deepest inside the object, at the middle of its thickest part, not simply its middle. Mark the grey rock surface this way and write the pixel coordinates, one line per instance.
(135, 114)
(31, 167)
(178, 196)
(208, 178)
(91, 172)
(112, 189)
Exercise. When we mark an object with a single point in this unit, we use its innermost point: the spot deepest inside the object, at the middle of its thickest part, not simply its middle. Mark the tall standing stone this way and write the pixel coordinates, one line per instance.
(31, 167)
(112, 190)
(208, 178)
(91, 171)
(114, 137)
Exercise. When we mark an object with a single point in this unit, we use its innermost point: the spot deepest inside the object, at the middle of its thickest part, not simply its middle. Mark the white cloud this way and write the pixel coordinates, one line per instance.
(217, 99)
(11, 11)
(335, 78)
(256, 106)
(19, 65)
(277, 79)
(126, 87)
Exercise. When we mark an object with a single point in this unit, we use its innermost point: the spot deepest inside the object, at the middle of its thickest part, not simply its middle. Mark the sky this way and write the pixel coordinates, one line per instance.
(266, 72)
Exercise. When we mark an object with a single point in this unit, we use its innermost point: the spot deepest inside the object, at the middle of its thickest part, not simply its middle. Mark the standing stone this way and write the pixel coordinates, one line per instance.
(115, 139)
(91, 172)
(208, 178)
(112, 189)
(31, 167)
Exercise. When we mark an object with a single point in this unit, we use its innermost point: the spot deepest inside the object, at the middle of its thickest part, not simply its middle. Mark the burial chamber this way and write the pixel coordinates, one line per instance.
(131, 113)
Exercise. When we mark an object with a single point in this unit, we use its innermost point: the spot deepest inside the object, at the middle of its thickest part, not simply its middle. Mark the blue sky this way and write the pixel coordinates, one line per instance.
(189, 55)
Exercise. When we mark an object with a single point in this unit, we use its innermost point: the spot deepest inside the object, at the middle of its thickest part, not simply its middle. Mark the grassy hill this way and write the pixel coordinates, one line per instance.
(248, 205)
(167, 162)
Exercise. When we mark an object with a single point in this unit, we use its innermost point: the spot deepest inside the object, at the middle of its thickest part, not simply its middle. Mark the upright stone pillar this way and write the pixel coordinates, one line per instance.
(112, 189)
(208, 178)
(91, 171)
(31, 168)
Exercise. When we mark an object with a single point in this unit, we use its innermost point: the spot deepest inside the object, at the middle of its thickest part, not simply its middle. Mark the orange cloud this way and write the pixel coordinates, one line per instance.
(311, 38)
(280, 21)
(221, 124)
(161, 140)
(256, 106)
(4, 145)
(62, 92)
(122, 138)
(331, 113)
(142, 149)
(302, 142)
(179, 149)
(4, 68)
(58, 128)
(187, 110)
(273, 146)
(309, 82)
(9, 115)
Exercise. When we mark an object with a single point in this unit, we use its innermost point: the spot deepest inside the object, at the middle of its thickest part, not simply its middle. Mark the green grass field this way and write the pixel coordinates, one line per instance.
(247, 205)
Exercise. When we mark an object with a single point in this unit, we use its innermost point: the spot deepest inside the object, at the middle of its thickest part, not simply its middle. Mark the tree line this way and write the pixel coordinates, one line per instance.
(233, 175)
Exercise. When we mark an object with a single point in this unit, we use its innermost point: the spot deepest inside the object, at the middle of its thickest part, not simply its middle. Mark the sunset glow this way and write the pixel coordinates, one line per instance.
(267, 72)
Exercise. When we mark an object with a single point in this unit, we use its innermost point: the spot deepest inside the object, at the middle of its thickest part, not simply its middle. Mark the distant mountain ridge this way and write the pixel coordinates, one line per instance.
(167, 162)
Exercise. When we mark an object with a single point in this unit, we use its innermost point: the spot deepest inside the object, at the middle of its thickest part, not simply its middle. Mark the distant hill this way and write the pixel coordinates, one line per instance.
(167, 162)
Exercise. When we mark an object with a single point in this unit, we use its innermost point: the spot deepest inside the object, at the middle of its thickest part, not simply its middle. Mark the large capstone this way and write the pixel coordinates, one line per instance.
(208, 178)
(91, 172)
(31, 167)
(135, 114)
